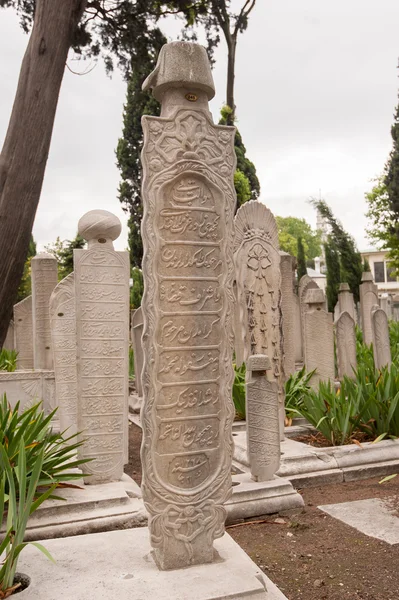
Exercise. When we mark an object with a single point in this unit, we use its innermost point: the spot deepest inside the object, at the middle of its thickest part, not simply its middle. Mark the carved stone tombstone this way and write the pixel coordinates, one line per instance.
(9, 339)
(345, 300)
(189, 201)
(386, 304)
(346, 345)
(262, 407)
(63, 332)
(306, 283)
(137, 332)
(318, 338)
(368, 298)
(380, 331)
(287, 268)
(23, 333)
(102, 323)
(44, 279)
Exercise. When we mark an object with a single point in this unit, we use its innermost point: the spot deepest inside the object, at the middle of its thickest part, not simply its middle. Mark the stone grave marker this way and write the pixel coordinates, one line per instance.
(23, 333)
(189, 201)
(44, 279)
(346, 345)
(287, 268)
(63, 332)
(380, 333)
(368, 298)
(136, 335)
(9, 343)
(102, 325)
(346, 302)
(306, 283)
(318, 337)
(262, 406)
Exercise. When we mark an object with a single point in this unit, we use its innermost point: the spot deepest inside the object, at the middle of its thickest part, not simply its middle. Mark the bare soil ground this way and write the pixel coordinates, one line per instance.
(310, 555)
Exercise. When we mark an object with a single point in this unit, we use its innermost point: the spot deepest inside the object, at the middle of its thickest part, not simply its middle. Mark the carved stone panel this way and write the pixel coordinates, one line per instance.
(262, 407)
(136, 335)
(380, 331)
(189, 201)
(298, 336)
(44, 280)
(306, 283)
(318, 338)
(29, 388)
(9, 343)
(346, 345)
(102, 319)
(63, 332)
(23, 333)
(287, 268)
(368, 298)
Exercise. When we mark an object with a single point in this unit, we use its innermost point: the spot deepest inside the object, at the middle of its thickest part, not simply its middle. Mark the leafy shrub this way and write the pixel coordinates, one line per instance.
(296, 386)
(8, 360)
(239, 391)
(131, 363)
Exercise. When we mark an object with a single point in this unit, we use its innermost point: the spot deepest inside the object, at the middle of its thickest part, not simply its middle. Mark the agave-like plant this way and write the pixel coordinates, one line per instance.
(239, 391)
(8, 360)
(296, 387)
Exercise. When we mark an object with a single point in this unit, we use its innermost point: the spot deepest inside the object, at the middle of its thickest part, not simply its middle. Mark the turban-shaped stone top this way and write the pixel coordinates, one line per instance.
(181, 64)
(367, 276)
(258, 362)
(99, 224)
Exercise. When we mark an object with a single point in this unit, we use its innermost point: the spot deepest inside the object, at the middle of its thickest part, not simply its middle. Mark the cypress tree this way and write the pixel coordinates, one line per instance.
(333, 274)
(392, 167)
(301, 260)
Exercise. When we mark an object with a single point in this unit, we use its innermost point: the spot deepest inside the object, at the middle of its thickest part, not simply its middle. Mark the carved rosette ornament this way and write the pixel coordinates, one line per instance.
(189, 201)
(102, 327)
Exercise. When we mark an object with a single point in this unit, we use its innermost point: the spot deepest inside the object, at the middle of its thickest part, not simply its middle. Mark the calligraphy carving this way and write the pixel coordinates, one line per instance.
(380, 330)
(44, 280)
(189, 202)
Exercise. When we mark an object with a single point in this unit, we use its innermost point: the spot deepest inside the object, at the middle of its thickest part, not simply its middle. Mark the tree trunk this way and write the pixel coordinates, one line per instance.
(24, 155)
(231, 60)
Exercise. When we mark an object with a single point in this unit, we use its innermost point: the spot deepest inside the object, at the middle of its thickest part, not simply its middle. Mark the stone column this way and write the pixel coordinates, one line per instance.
(137, 332)
(262, 406)
(380, 332)
(23, 333)
(318, 338)
(346, 345)
(189, 201)
(345, 300)
(63, 333)
(287, 268)
(102, 323)
(44, 279)
(368, 298)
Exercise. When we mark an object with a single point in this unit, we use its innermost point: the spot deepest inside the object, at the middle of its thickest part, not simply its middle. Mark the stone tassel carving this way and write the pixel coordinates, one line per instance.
(44, 279)
(23, 333)
(63, 333)
(136, 334)
(380, 331)
(368, 298)
(189, 201)
(102, 327)
(318, 337)
(257, 265)
(346, 345)
(263, 438)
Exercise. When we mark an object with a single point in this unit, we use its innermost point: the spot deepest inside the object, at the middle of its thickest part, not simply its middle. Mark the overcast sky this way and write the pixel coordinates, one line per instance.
(316, 87)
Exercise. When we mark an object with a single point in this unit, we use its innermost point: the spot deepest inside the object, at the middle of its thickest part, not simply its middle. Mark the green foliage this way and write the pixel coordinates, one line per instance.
(383, 228)
(242, 187)
(391, 179)
(296, 386)
(301, 260)
(239, 391)
(366, 266)
(8, 360)
(137, 289)
(63, 252)
(394, 340)
(25, 286)
(131, 363)
(350, 259)
(290, 229)
(59, 452)
(333, 274)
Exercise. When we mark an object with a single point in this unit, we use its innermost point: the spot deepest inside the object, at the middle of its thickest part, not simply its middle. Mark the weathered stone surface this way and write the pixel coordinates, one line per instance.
(63, 333)
(44, 279)
(368, 298)
(239, 347)
(386, 305)
(287, 268)
(305, 284)
(346, 302)
(136, 335)
(102, 319)
(29, 388)
(346, 345)
(380, 333)
(23, 333)
(263, 432)
(318, 337)
(189, 201)
(9, 343)
(298, 335)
